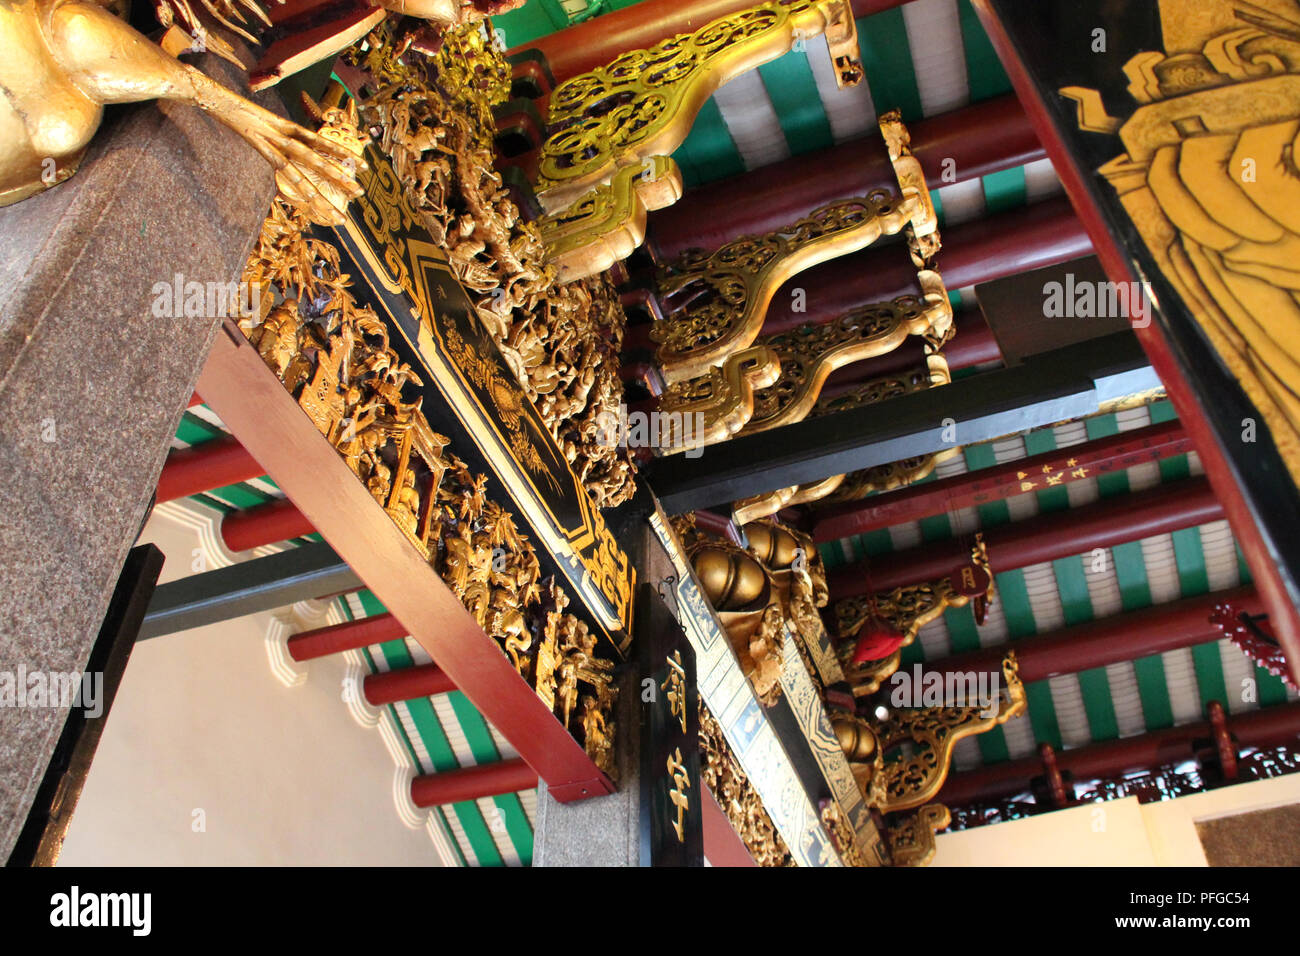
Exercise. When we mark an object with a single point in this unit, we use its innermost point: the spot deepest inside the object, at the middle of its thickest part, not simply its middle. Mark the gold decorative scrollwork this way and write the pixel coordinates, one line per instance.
(857, 484)
(929, 735)
(643, 103)
(811, 352)
(911, 838)
(713, 407)
(725, 295)
(608, 223)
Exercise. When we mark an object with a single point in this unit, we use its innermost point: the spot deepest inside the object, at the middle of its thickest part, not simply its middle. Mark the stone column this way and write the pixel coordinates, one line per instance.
(93, 384)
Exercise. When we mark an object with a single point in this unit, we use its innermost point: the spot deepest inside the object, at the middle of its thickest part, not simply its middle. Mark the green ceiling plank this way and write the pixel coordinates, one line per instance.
(1153, 690)
(1019, 616)
(484, 749)
(242, 495)
(1271, 691)
(534, 20)
(962, 631)
(1004, 190)
(1040, 442)
(831, 554)
(214, 503)
(913, 653)
(993, 745)
(710, 152)
(1193, 581)
(443, 758)
(1135, 594)
(1115, 482)
(873, 543)
(936, 200)
(982, 456)
(1072, 583)
(887, 59)
(793, 91)
(984, 71)
(935, 528)
(195, 431)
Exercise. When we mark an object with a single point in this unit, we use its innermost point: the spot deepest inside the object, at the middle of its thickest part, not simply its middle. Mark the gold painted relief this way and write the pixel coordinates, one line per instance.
(643, 104)
(1210, 180)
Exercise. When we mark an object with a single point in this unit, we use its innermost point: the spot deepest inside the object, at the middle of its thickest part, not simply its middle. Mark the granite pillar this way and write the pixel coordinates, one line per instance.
(93, 384)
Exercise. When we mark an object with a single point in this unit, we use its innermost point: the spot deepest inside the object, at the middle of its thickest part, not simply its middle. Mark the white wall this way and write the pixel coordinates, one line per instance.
(283, 775)
(1116, 833)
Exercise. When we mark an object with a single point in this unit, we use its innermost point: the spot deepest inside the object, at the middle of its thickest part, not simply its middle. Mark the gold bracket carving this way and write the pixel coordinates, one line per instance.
(609, 222)
(643, 103)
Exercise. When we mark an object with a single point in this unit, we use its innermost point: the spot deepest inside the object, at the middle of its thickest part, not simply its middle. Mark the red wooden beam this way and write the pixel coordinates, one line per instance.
(1066, 465)
(722, 844)
(1009, 243)
(336, 638)
(269, 423)
(585, 46)
(1281, 603)
(213, 464)
(470, 783)
(954, 147)
(1102, 524)
(1266, 727)
(407, 683)
(1108, 640)
(264, 524)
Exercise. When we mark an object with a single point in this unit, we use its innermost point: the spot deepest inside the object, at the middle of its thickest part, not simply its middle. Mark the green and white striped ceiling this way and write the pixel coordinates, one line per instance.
(1122, 699)
(441, 733)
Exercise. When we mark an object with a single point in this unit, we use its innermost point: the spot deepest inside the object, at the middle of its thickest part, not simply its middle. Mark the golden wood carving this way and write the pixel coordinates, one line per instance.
(607, 224)
(911, 838)
(643, 103)
(737, 797)
(810, 353)
(561, 340)
(858, 484)
(61, 61)
(725, 295)
(1209, 179)
(336, 359)
(923, 230)
(907, 609)
(718, 403)
(924, 739)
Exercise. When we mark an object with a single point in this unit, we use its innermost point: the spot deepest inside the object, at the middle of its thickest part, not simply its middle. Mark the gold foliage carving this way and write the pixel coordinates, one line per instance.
(739, 800)
(643, 103)
(607, 224)
(334, 357)
(726, 293)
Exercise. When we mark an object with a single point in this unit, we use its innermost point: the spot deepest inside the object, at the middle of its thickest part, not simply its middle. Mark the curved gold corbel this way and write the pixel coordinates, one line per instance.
(931, 733)
(713, 407)
(911, 840)
(644, 103)
(728, 292)
(809, 354)
(607, 224)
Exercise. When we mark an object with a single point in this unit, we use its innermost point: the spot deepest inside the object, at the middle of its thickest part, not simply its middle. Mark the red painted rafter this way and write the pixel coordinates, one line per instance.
(268, 422)
(1063, 466)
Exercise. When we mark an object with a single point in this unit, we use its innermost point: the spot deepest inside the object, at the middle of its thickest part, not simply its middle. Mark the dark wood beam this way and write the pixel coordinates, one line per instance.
(1054, 387)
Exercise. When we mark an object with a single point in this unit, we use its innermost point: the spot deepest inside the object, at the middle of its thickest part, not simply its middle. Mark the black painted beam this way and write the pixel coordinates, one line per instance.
(261, 584)
(1053, 387)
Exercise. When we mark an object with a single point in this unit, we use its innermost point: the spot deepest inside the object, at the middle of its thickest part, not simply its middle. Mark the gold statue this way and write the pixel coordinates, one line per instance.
(61, 61)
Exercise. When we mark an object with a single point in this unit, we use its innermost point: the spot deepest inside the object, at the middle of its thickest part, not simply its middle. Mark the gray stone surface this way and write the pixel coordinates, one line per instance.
(92, 385)
(604, 831)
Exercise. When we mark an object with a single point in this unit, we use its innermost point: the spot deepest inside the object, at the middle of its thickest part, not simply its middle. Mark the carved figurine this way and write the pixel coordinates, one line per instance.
(61, 61)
